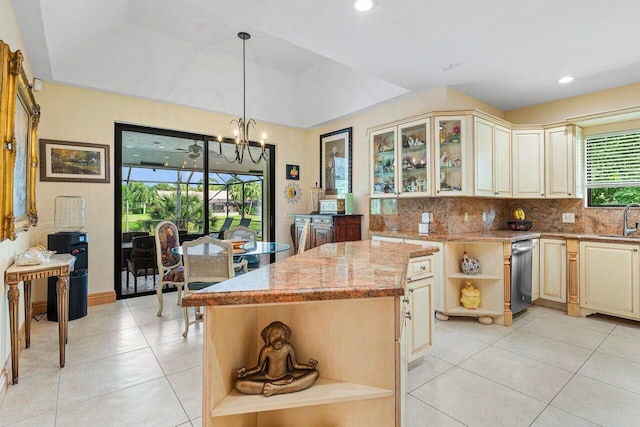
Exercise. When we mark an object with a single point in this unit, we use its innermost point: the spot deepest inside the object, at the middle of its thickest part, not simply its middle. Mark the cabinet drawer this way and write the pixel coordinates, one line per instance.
(327, 221)
(302, 221)
(420, 268)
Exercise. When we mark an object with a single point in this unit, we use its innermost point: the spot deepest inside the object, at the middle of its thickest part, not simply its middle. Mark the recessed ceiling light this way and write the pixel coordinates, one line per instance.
(565, 80)
(363, 5)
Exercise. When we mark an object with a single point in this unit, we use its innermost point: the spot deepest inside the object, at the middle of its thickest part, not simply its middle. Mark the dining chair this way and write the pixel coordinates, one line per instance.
(294, 241)
(225, 226)
(170, 267)
(242, 233)
(127, 237)
(142, 259)
(304, 236)
(207, 261)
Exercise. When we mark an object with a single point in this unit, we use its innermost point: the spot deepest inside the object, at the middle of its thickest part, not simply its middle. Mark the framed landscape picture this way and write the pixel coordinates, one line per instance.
(335, 162)
(65, 161)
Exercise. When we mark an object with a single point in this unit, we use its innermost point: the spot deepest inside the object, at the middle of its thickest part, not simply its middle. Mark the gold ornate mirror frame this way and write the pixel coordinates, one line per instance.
(19, 118)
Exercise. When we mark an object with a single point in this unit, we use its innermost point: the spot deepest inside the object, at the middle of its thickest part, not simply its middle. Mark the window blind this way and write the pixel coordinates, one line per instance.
(613, 160)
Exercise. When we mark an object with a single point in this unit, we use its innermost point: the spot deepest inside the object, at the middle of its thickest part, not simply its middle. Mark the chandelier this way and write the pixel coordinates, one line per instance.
(242, 125)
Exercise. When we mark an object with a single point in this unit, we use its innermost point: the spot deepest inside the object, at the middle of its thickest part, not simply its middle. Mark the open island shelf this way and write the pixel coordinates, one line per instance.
(489, 281)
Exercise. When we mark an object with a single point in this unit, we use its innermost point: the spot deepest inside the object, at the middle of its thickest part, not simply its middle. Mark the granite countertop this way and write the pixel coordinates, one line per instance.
(485, 236)
(504, 236)
(362, 269)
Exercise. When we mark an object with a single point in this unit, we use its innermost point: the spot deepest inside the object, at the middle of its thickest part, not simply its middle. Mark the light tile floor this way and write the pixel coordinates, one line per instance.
(128, 367)
(548, 369)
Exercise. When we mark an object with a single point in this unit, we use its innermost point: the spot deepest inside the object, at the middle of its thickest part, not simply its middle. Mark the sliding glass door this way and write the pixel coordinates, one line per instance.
(187, 179)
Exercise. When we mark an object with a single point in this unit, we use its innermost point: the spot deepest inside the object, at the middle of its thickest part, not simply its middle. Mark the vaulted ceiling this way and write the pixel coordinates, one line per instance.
(312, 61)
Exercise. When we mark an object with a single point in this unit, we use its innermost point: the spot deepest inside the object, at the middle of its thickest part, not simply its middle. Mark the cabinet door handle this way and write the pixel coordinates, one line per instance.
(635, 250)
(411, 290)
(423, 267)
(408, 315)
(405, 300)
(569, 193)
(542, 194)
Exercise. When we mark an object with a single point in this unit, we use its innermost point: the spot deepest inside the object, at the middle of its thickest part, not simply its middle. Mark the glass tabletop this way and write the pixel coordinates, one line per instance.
(262, 248)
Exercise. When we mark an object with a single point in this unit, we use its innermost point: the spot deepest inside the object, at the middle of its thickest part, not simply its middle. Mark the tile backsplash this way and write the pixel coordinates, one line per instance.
(465, 214)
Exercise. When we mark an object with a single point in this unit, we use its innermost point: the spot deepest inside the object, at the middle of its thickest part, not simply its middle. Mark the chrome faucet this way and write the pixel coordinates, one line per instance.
(625, 228)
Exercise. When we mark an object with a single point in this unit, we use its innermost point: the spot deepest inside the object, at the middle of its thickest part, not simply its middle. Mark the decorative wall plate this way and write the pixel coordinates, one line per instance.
(292, 193)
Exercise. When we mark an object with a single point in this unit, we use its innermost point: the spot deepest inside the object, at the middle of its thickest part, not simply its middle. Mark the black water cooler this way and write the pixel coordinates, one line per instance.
(76, 244)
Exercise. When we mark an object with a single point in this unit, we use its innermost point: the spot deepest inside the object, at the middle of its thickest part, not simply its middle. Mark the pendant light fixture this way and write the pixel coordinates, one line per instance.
(242, 125)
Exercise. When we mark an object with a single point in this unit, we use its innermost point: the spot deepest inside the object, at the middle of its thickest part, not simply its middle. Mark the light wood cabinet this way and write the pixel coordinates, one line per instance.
(553, 270)
(423, 275)
(535, 271)
(414, 169)
(384, 182)
(528, 164)
(559, 162)
(547, 164)
(610, 279)
(461, 153)
(492, 144)
(437, 289)
(401, 160)
(452, 158)
(419, 325)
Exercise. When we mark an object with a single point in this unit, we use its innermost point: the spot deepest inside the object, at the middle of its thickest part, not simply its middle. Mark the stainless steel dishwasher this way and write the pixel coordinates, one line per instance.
(521, 274)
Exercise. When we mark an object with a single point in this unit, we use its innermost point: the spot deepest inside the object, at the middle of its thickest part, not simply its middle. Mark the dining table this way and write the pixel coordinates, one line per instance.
(260, 248)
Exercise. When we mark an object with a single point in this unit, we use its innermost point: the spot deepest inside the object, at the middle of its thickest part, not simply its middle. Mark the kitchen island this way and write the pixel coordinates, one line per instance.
(342, 301)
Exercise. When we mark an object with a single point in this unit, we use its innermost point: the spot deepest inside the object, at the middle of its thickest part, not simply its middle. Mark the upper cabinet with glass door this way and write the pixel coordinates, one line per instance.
(400, 160)
(451, 151)
(383, 162)
(415, 163)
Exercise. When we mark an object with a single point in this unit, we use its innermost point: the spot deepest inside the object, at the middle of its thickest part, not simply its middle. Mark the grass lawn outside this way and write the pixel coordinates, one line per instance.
(141, 222)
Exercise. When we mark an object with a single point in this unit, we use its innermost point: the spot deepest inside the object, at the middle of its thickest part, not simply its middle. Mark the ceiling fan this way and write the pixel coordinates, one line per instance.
(194, 150)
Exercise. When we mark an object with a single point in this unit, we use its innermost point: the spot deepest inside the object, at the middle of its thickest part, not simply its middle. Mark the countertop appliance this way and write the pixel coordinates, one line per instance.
(521, 274)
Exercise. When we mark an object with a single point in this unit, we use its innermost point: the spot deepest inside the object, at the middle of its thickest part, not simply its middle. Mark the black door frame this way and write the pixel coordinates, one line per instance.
(206, 139)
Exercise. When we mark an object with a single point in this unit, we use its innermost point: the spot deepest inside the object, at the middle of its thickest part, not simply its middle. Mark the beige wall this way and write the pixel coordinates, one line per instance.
(593, 103)
(75, 114)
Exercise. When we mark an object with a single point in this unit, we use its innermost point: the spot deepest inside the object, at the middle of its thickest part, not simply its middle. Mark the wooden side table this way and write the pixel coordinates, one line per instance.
(59, 265)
